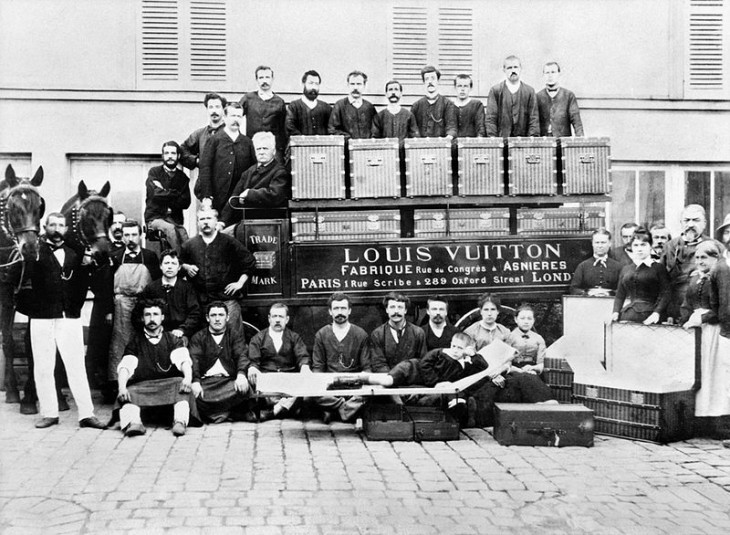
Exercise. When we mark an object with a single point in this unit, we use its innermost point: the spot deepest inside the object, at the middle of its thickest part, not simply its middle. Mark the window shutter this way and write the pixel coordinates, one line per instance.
(160, 40)
(455, 41)
(208, 59)
(707, 49)
(409, 43)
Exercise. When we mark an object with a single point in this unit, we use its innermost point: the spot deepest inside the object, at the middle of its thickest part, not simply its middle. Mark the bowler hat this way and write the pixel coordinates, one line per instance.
(721, 228)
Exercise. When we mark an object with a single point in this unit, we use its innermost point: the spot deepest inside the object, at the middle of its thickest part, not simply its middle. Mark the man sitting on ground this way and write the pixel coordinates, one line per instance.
(155, 371)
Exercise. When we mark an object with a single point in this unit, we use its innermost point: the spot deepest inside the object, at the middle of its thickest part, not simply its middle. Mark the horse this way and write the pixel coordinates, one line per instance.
(88, 218)
(21, 210)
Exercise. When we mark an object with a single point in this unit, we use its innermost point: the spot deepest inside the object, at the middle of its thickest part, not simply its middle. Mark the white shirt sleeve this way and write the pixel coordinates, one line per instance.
(180, 356)
(128, 362)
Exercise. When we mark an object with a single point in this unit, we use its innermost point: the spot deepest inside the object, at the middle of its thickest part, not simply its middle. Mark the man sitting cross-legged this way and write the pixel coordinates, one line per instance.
(220, 357)
(155, 371)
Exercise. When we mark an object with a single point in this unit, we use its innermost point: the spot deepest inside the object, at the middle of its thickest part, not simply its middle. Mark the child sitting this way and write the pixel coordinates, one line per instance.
(530, 346)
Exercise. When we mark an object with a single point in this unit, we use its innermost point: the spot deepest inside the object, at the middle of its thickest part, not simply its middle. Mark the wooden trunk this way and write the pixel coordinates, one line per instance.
(461, 222)
(428, 167)
(318, 167)
(481, 166)
(402, 422)
(532, 166)
(374, 168)
(585, 165)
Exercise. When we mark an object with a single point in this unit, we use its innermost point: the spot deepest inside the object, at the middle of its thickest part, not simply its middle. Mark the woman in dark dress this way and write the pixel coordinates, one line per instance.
(643, 288)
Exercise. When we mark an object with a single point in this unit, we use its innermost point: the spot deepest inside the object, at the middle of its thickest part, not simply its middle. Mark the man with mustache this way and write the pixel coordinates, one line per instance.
(134, 268)
(168, 194)
(436, 116)
(557, 106)
(512, 105)
(308, 116)
(470, 112)
(394, 120)
(438, 330)
(156, 371)
(218, 265)
(340, 347)
(193, 146)
(220, 357)
(59, 283)
(679, 254)
(265, 111)
(353, 116)
(397, 339)
(273, 350)
(227, 154)
(622, 253)
(660, 235)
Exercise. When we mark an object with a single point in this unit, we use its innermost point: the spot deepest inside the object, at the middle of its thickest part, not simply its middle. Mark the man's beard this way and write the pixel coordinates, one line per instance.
(340, 319)
(54, 236)
(311, 94)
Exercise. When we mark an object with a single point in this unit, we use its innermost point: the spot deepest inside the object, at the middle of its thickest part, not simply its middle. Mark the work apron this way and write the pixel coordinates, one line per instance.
(129, 281)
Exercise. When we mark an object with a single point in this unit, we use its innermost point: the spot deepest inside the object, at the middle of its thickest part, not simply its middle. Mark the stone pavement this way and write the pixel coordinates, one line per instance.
(293, 477)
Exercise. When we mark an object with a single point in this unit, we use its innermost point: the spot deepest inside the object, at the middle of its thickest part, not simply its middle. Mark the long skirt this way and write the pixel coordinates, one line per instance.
(713, 397)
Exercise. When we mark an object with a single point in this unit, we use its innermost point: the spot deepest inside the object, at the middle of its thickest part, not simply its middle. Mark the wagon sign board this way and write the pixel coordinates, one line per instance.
(510, 264)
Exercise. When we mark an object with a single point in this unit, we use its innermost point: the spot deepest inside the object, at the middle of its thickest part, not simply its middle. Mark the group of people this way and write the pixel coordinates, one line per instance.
(685, 280)
(252, 166)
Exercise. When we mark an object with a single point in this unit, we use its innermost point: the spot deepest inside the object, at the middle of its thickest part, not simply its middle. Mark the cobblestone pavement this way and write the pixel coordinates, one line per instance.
(293, 477)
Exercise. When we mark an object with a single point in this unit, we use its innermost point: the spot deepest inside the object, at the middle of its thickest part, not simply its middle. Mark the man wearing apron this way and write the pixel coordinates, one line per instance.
(134, 268)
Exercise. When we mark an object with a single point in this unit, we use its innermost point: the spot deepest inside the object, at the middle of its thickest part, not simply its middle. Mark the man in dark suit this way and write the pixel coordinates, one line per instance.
(59, 284)
(397, 339)
(277, 349)
(263, 185)
(512, 105)
(438, 330)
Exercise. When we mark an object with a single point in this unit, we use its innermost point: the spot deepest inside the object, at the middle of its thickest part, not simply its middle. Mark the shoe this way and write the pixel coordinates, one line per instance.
(726, 443)
(134, 430)
(63, 404)
(91, 422)
(28, 407)
(46, 422)
(178, 429)
(359, 425)
(219, 418)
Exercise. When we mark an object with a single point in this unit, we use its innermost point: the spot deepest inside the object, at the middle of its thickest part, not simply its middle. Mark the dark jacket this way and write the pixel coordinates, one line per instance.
(351, 122)
(182, 309)
(559, 113)
(386, 353)
(194, 145)
(232, 352)
(470, 119)
(590, 274)
(502, 122)
(435, 120)
(221, 164)
(170, 200)
(58, 291)
(290, 358)
(301, 120)
(268, 187)
(265, 116)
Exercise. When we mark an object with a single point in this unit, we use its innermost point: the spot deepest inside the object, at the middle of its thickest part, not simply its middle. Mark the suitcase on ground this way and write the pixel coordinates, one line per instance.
(652, 416)
(532, 166)
(318, 167)
(461, 222)
(481, 166)
(585, 165)
(374, 168)
(362, 225)
(403, 422)
(527, 424)
(548, 221)
(428, 167)
(558, 375)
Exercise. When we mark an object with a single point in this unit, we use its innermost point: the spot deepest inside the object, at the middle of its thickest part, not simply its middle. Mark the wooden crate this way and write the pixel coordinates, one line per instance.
(318, 167)
(652, 416)
(481, 166)
(428, 167)
(461, 222)
(585, 165)
(532, 166)
(363, 225)
(374, 168)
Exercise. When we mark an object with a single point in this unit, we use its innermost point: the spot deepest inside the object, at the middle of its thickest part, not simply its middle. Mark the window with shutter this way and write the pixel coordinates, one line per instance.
(183, 41)
(437, 34)
(160, 40)
(707, 49)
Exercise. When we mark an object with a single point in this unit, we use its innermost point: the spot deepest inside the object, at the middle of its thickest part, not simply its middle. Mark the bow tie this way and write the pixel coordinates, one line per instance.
(167, 287)
(55, 247)
(525, 336)
(600, 260)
